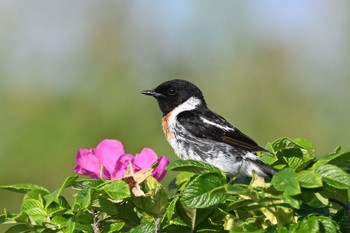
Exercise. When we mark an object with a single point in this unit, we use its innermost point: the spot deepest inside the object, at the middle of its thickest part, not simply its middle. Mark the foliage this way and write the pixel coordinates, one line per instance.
(306, 195)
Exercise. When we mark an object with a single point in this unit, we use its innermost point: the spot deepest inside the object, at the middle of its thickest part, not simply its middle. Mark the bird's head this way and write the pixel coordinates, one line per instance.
(171, 94)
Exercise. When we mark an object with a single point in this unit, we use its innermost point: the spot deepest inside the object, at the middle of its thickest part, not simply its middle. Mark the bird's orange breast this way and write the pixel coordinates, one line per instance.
(165, 126)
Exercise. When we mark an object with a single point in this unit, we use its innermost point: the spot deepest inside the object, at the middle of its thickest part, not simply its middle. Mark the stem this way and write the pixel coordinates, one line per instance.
(95, 225)
(193, 225)
(156, 223)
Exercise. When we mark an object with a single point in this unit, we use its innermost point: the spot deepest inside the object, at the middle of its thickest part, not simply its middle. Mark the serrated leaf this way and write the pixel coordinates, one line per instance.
(285, 142)
(205, 190)
(293, 157)
(129, 214)
(34, 209)
(116, 189)
(170, 211)
(308, 179)
(10, 217)
(84, 196)
(54, 195)
(59, 220)
(19, 228)
(183, 177)
(35, 194)
(192, 166)
(328, 225)
(155, 201)
(68, 182)
(144, 227)
(303, 143)
(309, 225)
(341, 159)
(114, 227)
(23, 188)
(291, 201)
(334, 176)
(241, 204)
(328, 192)
(236, 189)
(107, 206)
(268, 159)
(70, 225)
(179, 222)
(286, 181)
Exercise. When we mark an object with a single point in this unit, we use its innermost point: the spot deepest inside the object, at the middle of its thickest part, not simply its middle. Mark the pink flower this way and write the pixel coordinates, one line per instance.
(109, 161)
(147, 158)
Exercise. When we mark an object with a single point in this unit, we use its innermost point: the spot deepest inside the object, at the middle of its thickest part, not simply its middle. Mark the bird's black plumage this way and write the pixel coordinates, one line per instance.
(194, 122)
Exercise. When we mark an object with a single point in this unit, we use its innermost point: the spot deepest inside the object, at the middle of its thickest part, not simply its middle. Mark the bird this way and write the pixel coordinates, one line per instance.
(197, 133)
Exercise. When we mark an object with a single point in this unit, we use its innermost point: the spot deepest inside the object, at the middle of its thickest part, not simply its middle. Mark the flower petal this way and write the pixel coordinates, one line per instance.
(159, 172)
(121, 166)
(108, 152)
(145, 159)
(86, 163)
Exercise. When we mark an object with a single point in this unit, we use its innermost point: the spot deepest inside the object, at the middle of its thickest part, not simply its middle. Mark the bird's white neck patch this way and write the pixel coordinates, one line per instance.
(189, 104)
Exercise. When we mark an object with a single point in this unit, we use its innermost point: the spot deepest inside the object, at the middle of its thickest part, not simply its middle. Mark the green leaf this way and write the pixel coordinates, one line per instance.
(107, 206)
(268, 159)
(236, 189)
(285, 142)
(293, 157)
(286, 181)
(340, 159)
(84, 197)
(114, 227)
(116, 189)
(205, 190)
(334, 176)
(186, 215)
(10, 217)
(294, 153)
(327, 225)
(183, 177)
(70, 225)
(155, 201)
(192, 166)
(303, 143)
(59, 220)
(291, 201)
(19, 228)
(308, 179)
(23, 188)
(35, 194)
(316, 223)
(54, 196)
(309, 225)
(242, 204)
(170, 211)
(51, 197)
(129, 214)
(34, 209)
(144, 227)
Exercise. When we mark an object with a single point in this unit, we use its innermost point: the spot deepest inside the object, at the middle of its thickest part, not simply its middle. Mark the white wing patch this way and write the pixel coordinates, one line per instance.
(226, 128)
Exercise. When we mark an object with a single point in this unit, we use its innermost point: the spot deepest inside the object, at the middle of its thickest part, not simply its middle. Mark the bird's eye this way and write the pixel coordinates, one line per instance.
(171, 91)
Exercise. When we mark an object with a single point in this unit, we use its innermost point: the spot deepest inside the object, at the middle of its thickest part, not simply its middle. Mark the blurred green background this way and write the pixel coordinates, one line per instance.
(71, 73)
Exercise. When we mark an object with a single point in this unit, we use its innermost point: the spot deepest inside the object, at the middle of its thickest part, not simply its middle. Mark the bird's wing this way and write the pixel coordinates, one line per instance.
(207, 124)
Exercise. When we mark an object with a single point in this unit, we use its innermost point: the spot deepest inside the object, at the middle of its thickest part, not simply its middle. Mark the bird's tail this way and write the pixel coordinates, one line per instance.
(260, 168)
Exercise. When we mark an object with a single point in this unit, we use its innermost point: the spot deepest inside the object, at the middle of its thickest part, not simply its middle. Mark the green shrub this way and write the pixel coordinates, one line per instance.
(307, 194)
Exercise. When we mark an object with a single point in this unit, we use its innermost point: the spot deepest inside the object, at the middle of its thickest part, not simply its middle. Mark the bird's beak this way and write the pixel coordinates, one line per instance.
(152, 93)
